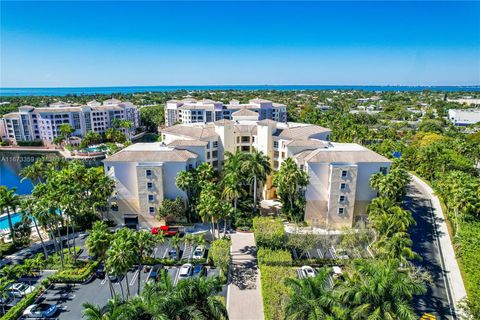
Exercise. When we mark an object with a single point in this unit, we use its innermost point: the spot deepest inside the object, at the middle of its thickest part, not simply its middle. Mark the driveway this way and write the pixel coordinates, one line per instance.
(424, 235)
(244, 300)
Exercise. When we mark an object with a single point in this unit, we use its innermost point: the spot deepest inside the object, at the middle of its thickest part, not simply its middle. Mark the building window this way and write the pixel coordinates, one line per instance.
(150, 197)
(148, 173)
(344, 173)
(151, 209)
(275, 144)
(149, 185)
(190, 166)
(383, 170)
(341, 199)
(343, 186)
(215, 144)
(302, 167)
(341, 210)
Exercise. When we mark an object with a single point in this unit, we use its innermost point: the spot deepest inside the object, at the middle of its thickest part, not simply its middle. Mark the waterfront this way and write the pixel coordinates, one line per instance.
(63, 91)
(12, 162)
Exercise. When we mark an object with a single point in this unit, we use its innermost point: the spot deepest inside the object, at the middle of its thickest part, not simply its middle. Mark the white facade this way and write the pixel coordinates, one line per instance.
(189, 111)
(464, 117)
(34, 124)
(338, 190)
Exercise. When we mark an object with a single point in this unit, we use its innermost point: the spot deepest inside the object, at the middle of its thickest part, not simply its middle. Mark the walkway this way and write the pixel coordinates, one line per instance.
(432, 241)
(244, 300)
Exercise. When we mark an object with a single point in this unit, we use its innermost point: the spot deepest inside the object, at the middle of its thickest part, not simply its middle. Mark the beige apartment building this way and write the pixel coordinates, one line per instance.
(339, 173)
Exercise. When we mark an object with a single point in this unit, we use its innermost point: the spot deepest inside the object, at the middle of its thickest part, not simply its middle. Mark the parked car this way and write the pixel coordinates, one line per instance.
(154, 272)
(172, 254)
(20, 289)
(42, 310)
(198, 253)
(100, 272)
(115, 278)
(337, 272)
(185, 271)
(308, 272)
(166, 231)
(199, 270)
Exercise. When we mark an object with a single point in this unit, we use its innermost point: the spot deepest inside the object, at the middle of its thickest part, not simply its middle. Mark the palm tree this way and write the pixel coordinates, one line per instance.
(291, 183)
(257, 166)
(186, 181)
(232, 188)
(144, 244)
(175, 242)
(9, 200)
(380, 290)
(398, 246)
(28, 205)
(121, 256)
(113, 310)
(4, 292)
(312, 298)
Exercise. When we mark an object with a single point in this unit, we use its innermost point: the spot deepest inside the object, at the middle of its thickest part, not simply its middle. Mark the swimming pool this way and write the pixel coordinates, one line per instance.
(16, 217)
(95, 149)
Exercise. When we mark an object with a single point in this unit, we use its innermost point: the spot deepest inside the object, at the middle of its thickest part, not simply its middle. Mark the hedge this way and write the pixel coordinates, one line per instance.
(30, 143)
(16, 311)
(468, 241)
(269, 232)
(75, 275)
(219, 255)
(268, 256)
(274, 290)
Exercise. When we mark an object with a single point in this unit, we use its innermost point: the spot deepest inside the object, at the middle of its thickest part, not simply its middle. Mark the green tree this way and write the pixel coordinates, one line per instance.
(144, 244)
(378, 289)
(9, 202)
(312, 298)
(291, 182)
(172, 208)
(257, 166)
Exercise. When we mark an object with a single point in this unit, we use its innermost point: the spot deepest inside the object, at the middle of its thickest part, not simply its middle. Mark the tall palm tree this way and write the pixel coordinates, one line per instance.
(28, 208)
(313, 298)
(144, 243)
(175, 242)
(98, 242)
(257, 166)
(121, 256)
(9, 201)
(186, 181)
(380, 290)
(4, 292)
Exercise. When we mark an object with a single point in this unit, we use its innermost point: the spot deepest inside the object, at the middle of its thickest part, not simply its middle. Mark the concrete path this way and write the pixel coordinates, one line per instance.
(244, 300)
(454, 282)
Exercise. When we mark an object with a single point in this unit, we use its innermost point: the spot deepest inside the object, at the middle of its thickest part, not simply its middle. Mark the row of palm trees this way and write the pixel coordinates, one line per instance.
(193, 298)
(65, 194)
(215, 198)
(375, 289)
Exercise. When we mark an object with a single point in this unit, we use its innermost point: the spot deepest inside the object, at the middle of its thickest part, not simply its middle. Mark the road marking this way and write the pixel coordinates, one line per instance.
(176, 278)
(166, 251)
(428, 316)
(155, 251)
(320, 254)
(134, 278)
(103, 281)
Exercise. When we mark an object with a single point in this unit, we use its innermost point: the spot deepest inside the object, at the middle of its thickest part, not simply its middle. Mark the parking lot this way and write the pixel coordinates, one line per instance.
(331, 249)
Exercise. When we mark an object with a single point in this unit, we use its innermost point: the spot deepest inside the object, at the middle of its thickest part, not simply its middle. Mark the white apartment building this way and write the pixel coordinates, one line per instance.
(464, 117)
(35, 124)
(205, 111)
(338, 189)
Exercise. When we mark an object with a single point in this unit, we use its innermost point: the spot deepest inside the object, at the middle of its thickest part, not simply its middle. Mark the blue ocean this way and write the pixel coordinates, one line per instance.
(140, 89)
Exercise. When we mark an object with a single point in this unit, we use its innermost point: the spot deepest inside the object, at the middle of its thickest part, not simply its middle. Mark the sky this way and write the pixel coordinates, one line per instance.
(72, 44)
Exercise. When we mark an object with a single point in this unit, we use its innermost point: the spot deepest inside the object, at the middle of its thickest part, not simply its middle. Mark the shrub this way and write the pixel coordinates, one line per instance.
(30, 143)
(75, 275)
(219, 255)
(6, 249)
(269, 232)
(274, 290)
(469, 246)
(16, 311)
(268, 256)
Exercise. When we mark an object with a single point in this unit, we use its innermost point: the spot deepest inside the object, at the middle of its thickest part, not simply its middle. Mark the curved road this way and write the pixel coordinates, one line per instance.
(437, 300)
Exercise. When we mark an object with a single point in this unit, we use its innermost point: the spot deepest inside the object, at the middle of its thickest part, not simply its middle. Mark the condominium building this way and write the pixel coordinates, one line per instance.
(464, 117)
(42, 124)
(205, 111)
(339, 173)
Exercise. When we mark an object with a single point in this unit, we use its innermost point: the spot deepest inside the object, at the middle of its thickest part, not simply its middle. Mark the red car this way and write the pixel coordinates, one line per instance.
(166, 230)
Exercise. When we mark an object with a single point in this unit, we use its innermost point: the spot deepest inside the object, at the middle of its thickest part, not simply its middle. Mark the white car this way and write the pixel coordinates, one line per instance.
(308, 272)
(185, 271)
(337, 271)
(42, 310)
(198, 253)
(19, 289)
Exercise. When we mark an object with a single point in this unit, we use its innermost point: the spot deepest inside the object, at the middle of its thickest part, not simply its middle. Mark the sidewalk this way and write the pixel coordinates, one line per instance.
(452, 271)
(244, 300)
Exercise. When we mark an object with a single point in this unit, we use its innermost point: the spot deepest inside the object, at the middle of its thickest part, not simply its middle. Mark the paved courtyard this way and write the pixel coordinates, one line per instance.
(244, 292)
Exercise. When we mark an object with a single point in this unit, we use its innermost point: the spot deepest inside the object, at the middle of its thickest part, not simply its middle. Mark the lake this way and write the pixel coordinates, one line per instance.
(11, 162)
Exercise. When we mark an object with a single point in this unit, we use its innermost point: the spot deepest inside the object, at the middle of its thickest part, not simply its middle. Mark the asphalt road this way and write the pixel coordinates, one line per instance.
(424, 236)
